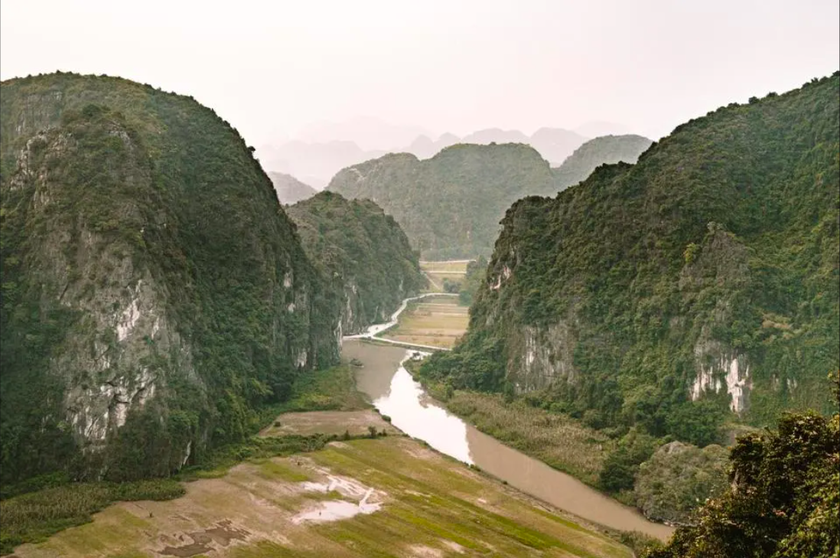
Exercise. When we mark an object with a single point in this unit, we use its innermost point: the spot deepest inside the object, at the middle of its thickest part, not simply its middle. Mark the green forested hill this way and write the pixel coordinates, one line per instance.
(449, 205)
(364, 253)
(663, 296)
(605, 150)
(153, 291)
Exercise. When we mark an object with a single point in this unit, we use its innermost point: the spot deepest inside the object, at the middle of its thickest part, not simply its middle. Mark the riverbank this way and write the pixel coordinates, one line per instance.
(394, 392)
(431, 322)
(555, 439)
(366, 495)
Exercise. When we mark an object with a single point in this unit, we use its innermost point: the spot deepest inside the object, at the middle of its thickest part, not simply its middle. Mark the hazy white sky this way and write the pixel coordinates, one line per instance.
(272, 68)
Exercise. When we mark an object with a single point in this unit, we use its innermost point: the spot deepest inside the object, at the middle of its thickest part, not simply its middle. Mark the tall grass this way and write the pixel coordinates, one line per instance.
(35, 516)
(555, 439)
(331, 389)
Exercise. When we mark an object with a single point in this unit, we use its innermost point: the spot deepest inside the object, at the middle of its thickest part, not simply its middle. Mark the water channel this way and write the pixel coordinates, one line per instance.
(395, 393)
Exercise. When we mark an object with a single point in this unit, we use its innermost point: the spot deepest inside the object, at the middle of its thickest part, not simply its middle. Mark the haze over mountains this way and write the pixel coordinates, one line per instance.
(320, 151)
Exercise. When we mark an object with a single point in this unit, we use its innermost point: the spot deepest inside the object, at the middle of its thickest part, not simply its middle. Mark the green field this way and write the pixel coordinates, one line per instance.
(435, 321)
(430, 506)
(437, 272)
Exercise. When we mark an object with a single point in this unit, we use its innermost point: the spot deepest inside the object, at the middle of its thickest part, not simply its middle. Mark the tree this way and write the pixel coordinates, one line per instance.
(784, 499)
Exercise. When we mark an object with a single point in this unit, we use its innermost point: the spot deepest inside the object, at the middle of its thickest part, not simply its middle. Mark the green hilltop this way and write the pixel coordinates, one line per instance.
(363, 253)
(450, 205)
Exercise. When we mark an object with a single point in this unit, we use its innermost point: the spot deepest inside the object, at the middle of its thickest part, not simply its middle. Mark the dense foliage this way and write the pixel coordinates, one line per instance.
(147, 271)
(472, 280)
(678, 478)
(289, 189)
(450, 205)
(605, 150)
(658, 295)
(363, 253)
(650, 301)
(784, 501)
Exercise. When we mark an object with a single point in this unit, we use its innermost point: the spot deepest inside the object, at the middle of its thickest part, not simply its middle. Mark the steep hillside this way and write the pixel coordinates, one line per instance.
(700, 282)
(594, 153)
(153, 291)
(364, 253)
(449, 205)
(289, 189)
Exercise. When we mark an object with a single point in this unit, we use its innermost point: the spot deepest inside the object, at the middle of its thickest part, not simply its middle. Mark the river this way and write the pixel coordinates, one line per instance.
(394, 392)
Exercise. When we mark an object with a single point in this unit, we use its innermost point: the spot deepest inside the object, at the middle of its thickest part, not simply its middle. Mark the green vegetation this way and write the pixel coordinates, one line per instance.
(476, 271)
(622, 464)
(147, 276)
(449, 205)
(605, 150)
(34, 517)
(678, 478)
(289, 189)
(329, 389)
(784, 500)
(659, 296)
(363, 253)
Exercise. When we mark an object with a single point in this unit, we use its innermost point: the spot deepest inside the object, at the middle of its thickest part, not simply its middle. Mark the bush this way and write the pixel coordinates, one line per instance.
(621, 466)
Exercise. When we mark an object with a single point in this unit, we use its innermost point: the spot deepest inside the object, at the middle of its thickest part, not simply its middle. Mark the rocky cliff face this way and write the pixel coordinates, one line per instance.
(704, 274)
(364, 254)
(153, 291)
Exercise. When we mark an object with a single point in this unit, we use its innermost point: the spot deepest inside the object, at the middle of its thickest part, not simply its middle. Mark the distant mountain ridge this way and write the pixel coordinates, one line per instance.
(450, 205)
(289, 189)
(605, 150)
(317, 162)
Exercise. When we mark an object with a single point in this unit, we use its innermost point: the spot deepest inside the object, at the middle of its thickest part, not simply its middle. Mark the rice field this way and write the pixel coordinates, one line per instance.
(435, 321)
(387, 496)
(438, 271)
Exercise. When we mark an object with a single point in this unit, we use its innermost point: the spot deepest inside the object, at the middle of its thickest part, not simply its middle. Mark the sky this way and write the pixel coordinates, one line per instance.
(278, 70)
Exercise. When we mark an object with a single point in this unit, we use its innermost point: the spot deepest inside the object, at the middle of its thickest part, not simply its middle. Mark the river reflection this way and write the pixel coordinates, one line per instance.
(412, 412)
(395, 393)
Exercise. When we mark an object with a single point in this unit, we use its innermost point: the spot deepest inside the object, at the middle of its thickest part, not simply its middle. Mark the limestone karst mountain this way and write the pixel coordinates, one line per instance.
(154, 294)
(362, 253)
(664, 295)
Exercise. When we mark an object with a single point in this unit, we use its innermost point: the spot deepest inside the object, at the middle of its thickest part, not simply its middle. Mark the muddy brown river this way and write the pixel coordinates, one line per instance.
(394, 392)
